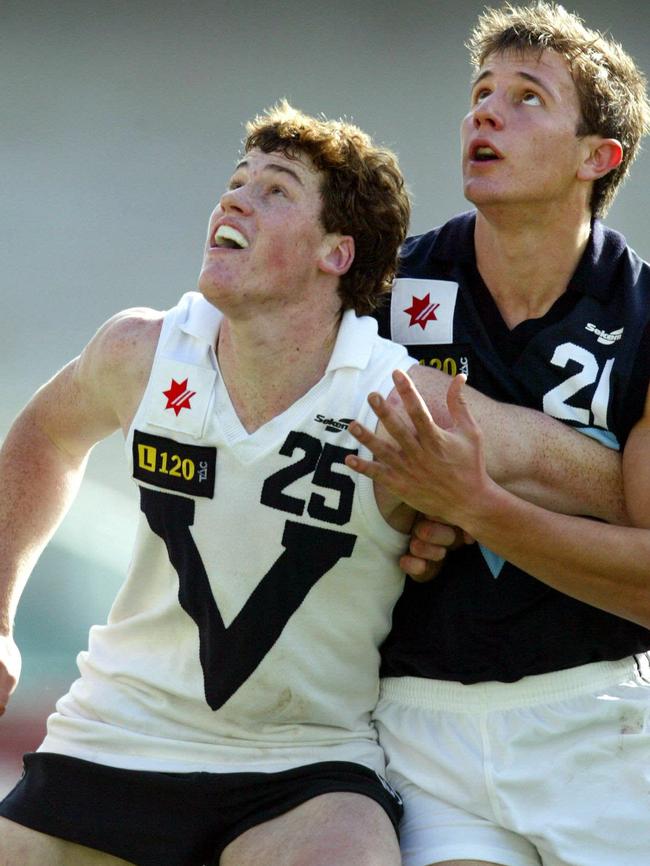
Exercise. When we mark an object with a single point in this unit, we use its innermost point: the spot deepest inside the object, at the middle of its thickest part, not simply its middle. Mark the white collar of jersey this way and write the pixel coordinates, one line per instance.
(354, 342)
(202, 319)
(353, 345)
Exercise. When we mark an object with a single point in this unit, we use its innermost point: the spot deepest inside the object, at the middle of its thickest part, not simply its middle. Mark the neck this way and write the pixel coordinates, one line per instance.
(527, 259)
(268, 365)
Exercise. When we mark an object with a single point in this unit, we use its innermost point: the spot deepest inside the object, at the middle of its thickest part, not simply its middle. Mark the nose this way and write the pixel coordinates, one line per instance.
(235, 200)
(487, 112)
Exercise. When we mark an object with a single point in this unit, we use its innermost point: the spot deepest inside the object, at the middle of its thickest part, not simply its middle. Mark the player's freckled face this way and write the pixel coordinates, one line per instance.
(519, 141)
(265, 237)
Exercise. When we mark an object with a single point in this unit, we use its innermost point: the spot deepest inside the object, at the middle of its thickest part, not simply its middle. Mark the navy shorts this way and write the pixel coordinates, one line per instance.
(171, 819)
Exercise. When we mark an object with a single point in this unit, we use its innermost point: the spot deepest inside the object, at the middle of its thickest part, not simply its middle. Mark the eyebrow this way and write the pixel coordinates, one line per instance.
(275, 167)
(521, 74)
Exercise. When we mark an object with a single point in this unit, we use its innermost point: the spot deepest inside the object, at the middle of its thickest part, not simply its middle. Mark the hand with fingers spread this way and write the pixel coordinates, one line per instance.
(435, 470)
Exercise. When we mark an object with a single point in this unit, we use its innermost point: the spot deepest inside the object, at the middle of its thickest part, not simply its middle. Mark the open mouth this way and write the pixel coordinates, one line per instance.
(484, 153)
(227, 237)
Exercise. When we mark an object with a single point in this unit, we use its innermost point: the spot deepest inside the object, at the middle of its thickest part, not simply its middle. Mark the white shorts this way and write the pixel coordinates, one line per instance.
(553, 769)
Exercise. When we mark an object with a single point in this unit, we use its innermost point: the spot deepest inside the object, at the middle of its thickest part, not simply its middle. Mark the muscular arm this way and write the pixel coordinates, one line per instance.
(532, 455)
(604, 565)
(535, 456)
(45, 453)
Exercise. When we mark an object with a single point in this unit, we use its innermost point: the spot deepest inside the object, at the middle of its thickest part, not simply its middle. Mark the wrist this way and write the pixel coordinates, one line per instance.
(477, 514)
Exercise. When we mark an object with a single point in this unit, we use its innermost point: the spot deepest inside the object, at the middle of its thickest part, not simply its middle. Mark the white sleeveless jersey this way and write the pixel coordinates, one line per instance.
(263, 578)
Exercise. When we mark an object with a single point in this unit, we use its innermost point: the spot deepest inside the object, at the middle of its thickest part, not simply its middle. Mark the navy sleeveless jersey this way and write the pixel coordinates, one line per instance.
(587, 363)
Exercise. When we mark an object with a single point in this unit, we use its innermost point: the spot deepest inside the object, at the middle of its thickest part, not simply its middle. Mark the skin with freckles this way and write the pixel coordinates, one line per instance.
(274, 202)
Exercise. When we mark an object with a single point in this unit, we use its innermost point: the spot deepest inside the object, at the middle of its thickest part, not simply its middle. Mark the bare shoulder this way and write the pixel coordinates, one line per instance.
(128, 337)
(116, 363)
(99, 391)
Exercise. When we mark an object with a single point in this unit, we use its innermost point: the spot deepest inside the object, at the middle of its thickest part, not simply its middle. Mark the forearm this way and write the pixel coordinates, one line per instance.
(38, 483)
(535, 456)
(442, 472)
(605, 566)
(554, 466)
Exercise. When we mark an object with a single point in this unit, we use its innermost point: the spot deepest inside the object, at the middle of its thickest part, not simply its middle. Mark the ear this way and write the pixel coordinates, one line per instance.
(604, 154)
(338, 254)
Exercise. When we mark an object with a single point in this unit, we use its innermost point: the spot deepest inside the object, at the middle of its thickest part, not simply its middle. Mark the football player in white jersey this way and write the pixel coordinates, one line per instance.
(169, 748)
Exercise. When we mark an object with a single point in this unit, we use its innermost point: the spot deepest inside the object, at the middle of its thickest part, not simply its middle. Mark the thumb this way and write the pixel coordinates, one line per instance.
(456, 402)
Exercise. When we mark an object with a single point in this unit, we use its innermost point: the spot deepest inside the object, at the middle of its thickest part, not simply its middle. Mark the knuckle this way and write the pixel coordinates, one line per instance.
(435, 553)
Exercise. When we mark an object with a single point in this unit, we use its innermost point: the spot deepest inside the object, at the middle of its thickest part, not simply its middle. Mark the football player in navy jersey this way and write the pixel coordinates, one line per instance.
(515, 706)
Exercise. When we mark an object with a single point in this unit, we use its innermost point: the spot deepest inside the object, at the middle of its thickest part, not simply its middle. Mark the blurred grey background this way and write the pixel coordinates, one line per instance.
(119, 124)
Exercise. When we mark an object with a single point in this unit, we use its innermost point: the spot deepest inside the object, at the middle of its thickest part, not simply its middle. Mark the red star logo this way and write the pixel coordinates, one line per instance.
(422, 311)
(178, 396)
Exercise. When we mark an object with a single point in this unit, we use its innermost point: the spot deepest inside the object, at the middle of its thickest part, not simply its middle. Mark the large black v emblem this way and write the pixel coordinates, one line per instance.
(229, 655)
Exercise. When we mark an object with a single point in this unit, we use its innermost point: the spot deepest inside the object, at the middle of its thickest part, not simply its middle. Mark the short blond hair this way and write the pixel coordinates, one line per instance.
(612, 90)
(363, 191)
